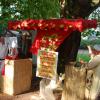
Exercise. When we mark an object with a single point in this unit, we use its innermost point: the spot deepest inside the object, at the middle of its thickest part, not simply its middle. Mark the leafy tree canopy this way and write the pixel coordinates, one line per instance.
(25, 9)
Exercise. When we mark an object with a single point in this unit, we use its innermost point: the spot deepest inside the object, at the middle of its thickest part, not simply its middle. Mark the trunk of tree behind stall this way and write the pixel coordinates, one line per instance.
(69, 48)
(74, 86)
(67, 53)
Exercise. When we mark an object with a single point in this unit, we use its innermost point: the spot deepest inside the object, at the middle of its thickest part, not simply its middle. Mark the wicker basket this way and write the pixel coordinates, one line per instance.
(17, 78)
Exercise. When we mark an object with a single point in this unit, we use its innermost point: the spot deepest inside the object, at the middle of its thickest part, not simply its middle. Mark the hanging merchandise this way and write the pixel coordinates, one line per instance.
(11, 42)
(3, 51)
(12, 47)
(25, 45)
(3, 48)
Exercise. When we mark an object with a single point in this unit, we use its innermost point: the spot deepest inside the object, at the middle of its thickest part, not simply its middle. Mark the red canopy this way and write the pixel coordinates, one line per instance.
(56, 24)
(52, 32)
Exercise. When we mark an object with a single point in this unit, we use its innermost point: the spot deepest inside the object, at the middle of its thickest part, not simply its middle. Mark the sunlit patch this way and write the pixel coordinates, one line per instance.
(36, 97)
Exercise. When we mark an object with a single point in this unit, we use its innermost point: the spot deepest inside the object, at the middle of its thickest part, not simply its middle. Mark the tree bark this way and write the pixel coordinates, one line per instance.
(74, 86)
(78, 8)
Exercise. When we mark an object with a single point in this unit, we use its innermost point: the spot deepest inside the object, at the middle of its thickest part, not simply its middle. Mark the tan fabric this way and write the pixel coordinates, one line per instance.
(94, 62)
(95, 88)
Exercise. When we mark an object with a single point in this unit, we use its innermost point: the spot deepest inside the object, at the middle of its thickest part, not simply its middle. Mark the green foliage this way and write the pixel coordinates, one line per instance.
(20, 9)
(44, 9)
(94, 15)
(83, 57)
(25, 9)
(88, 32)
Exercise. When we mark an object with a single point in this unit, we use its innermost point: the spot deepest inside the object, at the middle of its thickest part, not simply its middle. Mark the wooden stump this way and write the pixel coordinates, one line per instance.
(74, 86)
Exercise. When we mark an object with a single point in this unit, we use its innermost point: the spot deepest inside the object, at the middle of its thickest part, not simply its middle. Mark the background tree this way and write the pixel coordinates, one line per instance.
(26, 9)
(74, 9)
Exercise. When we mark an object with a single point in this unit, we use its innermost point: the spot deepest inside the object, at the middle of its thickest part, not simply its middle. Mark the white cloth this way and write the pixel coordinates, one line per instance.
(45, 90)
(1, 65)
(3, 50)
(11, 42)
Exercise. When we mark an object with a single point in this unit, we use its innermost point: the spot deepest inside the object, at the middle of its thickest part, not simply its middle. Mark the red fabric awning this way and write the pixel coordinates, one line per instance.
(56, 24)
(51, 33)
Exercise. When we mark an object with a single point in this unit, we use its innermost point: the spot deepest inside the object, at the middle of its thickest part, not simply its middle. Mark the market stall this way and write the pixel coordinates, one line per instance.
(13, 68)
(50, 35)
(51, 32)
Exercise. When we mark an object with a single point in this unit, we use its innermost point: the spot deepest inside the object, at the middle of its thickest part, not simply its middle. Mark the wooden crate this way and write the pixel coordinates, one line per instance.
(17, 78)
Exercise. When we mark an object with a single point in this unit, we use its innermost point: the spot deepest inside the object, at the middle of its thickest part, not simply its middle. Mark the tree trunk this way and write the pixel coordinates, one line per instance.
(74, 86)
(75, 8)
(68, 50)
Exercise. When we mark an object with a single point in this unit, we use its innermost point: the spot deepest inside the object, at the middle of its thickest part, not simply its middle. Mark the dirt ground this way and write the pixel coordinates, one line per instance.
(27, 96)
(32, 94)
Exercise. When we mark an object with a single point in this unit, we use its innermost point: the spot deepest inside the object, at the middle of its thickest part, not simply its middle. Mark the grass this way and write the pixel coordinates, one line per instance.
(83, 57)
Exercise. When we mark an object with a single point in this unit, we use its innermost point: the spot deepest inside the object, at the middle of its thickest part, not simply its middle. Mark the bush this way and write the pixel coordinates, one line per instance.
(83, 57)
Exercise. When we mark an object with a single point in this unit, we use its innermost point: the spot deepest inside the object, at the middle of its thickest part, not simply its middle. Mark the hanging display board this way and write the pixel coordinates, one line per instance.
(47, 64)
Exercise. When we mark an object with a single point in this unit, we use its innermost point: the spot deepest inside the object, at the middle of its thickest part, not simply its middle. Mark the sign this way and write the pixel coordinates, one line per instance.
(47, 64)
